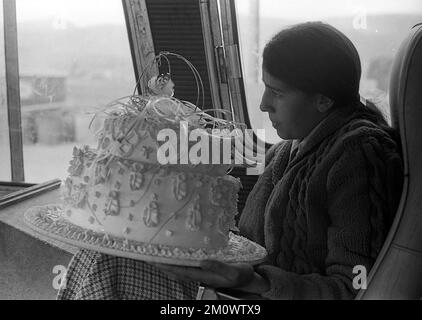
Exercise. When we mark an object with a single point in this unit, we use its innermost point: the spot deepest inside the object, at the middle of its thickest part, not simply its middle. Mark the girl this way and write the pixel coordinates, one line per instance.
(323, 205)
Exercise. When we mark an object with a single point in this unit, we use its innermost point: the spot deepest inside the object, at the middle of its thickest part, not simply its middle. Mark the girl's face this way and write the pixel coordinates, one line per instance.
(292, 112)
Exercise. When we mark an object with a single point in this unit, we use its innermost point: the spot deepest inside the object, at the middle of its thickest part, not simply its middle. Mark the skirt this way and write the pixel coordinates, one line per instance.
(95, 276)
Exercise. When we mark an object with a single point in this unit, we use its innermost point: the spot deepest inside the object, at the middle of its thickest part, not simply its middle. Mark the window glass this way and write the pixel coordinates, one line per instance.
(5, 166)
(74, 58)
(376, 27)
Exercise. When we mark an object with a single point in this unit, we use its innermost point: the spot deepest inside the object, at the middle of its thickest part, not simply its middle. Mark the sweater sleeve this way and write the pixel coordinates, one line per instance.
(356, 194)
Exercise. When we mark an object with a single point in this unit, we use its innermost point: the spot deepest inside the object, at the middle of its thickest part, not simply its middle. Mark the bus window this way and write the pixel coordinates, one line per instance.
(74, 58)
(376, 28)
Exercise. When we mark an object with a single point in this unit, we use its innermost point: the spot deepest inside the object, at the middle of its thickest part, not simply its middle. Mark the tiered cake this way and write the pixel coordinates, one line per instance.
(121, 189)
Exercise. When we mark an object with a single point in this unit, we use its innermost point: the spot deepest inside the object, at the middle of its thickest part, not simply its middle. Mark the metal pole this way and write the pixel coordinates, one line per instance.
(13, 92)
(255, 10)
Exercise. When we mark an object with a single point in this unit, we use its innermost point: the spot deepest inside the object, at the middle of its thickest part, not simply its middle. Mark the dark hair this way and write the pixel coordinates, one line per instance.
(315, 57)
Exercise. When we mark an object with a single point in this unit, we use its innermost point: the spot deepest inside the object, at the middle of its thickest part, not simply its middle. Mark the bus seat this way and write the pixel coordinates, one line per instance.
(397, 273)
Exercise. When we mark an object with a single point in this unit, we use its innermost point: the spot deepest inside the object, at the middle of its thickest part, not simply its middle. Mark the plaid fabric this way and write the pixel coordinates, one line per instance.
(96, 276)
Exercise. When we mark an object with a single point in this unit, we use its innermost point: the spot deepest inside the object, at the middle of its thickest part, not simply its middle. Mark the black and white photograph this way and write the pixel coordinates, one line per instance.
(224, 153)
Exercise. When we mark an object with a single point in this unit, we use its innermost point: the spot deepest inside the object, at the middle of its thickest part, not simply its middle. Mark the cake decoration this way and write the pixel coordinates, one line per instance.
(112, 206)
(102, 173)
(194, 218)
(128, 144)
(151, 213)
(221, 225)
(78, 195)
(136, 180)
(180, 186)
(76, 164)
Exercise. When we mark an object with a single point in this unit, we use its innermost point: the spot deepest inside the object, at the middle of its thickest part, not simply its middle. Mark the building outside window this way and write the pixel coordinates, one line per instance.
(74, 58)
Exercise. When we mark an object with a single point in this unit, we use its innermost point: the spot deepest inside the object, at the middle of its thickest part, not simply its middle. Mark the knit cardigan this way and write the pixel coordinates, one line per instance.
(327, 210)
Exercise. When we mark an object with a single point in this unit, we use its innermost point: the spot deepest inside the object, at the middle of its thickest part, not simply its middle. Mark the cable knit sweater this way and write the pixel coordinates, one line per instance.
(327, 210)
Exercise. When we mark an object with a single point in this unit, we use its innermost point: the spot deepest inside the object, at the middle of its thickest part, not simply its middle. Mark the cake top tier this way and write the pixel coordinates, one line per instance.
(158, 128)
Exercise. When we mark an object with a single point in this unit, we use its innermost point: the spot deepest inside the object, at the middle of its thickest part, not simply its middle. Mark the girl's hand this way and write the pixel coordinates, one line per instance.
(217, 274)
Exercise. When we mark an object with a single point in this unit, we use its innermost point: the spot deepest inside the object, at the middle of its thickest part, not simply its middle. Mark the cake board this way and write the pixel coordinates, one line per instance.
(50, 221)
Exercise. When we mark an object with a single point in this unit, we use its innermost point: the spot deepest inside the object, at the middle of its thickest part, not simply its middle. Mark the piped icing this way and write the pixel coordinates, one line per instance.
(121, 190)
(190, 203)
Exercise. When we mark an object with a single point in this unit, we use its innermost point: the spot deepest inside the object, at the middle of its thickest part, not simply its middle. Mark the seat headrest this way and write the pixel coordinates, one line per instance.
(406, 95)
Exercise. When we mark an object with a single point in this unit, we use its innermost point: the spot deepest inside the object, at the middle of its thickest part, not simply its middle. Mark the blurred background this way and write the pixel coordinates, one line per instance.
(376, 27)
(74, 57)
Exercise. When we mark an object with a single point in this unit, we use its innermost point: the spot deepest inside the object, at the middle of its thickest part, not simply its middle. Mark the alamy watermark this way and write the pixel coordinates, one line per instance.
(360, 281)
(216, 146)
(360, 19)
(59, 281)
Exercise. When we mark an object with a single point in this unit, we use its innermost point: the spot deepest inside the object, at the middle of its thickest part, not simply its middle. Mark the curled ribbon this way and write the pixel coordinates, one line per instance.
(159, 106)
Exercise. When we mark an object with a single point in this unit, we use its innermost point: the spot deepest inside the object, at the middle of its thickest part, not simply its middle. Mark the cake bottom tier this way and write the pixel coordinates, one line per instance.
(152, 204)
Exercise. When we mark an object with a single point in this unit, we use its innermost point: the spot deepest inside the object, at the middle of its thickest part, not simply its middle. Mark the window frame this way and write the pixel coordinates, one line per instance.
(13, 90)
(233, 66)
(140, 41)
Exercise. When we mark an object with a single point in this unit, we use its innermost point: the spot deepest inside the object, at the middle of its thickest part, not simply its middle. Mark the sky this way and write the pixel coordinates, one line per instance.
(92, 12)
(80, 13)
(329, 8)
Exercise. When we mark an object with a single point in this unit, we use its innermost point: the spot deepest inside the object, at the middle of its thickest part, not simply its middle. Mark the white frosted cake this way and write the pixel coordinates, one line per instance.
(156, 187)
(121, 190)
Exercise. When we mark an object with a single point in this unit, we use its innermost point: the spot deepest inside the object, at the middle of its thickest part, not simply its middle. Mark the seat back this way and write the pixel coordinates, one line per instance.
(397, 273)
